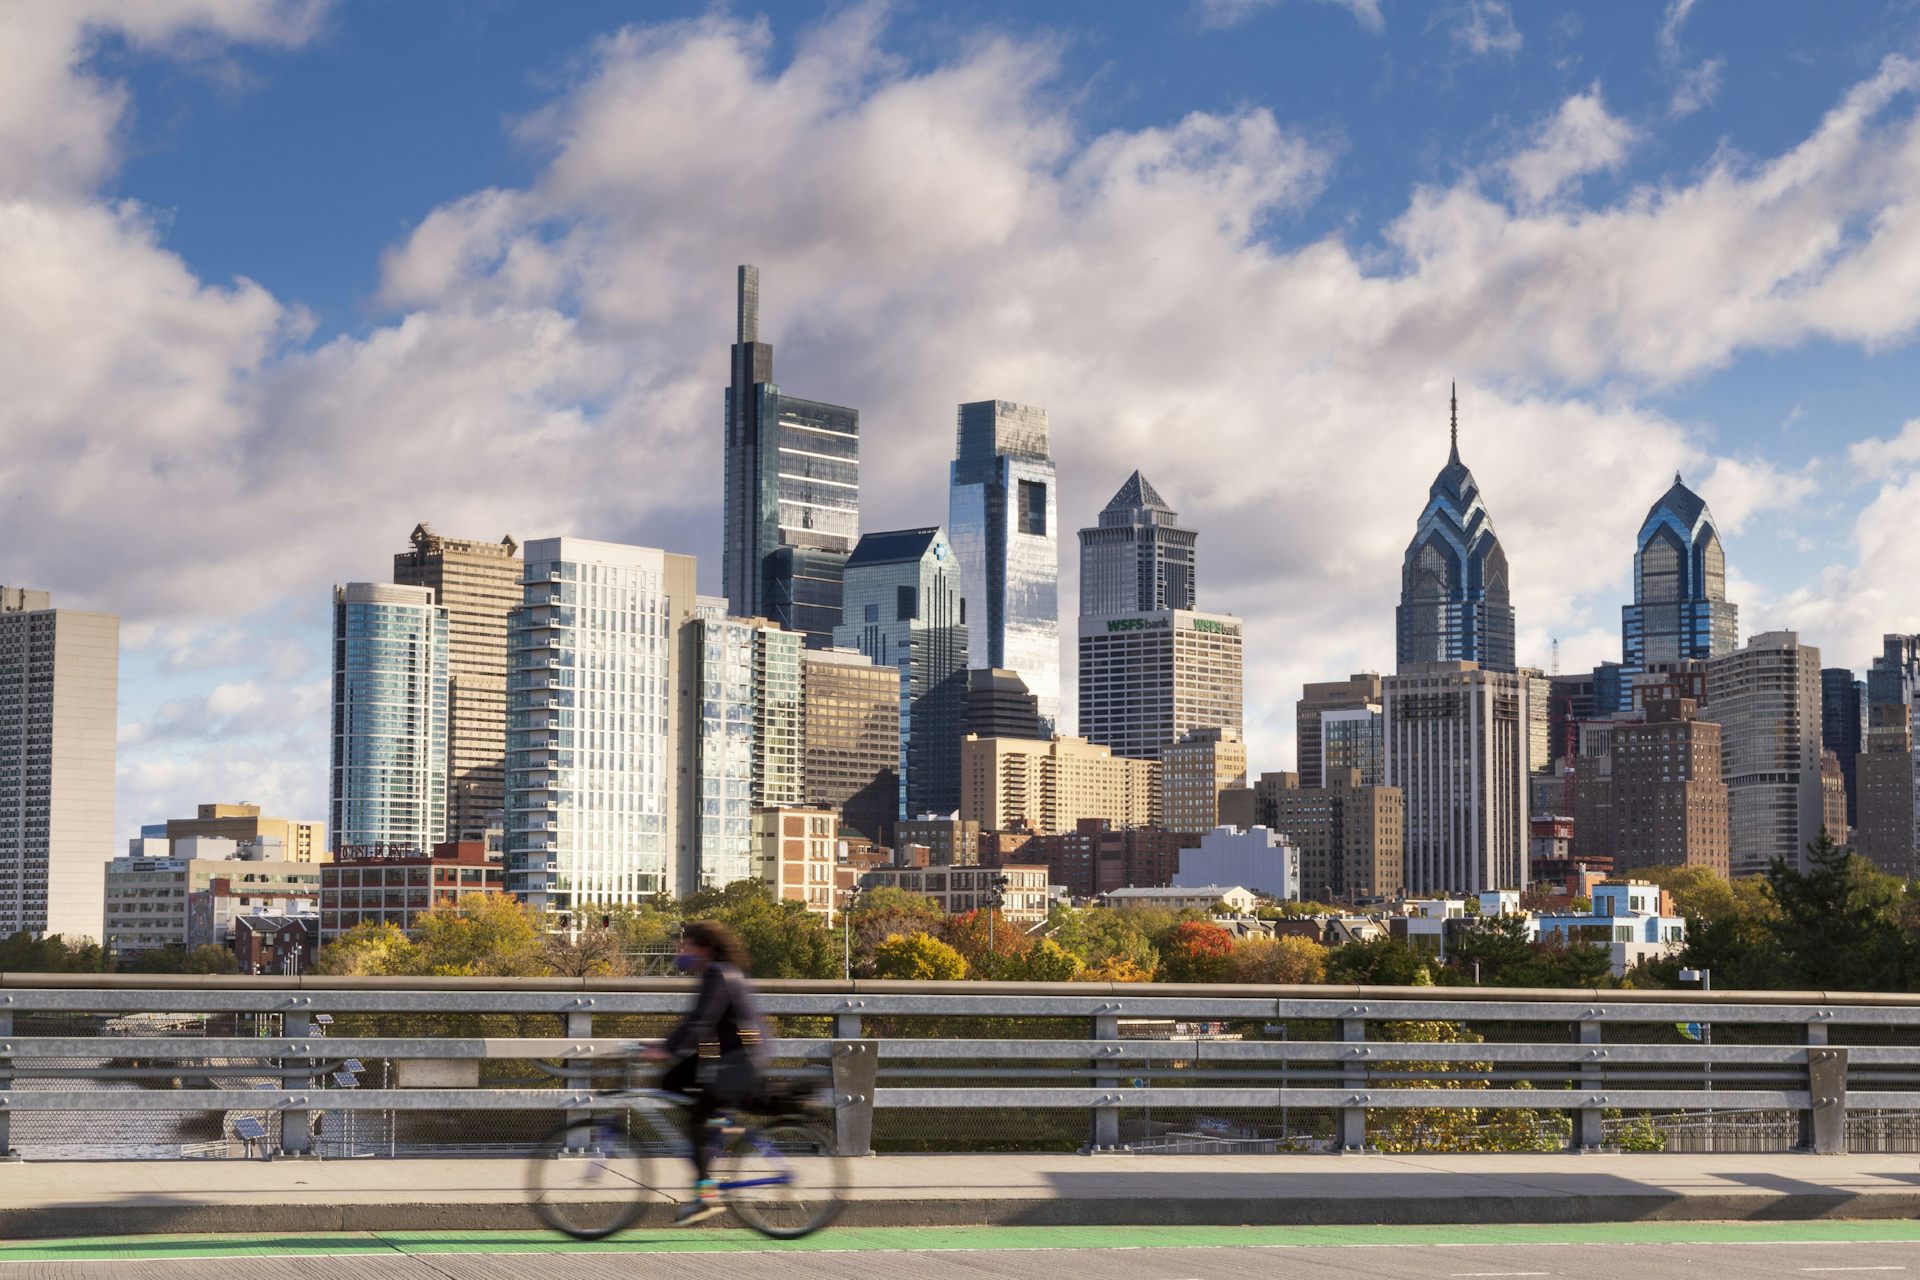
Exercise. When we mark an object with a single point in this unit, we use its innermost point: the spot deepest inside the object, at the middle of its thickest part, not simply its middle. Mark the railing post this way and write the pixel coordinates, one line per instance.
(1823, 1125)
(1106, 1116)
(1589, 1123)
(856, 1065)
(296, 1126)
(1353, 1119)
(579, 1026)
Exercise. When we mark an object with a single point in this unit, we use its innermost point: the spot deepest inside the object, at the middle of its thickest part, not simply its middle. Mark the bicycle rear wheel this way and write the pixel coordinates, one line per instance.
(784, 1180)
(589, 1179)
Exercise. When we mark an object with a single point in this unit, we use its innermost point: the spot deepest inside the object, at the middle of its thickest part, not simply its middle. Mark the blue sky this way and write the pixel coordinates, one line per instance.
(300, 274)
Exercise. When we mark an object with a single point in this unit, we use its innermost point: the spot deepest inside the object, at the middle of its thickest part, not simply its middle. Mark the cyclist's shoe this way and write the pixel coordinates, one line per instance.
(705, 1204)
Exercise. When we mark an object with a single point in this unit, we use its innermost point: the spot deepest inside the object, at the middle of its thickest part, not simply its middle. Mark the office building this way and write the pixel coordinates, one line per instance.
(1006, 538)
(1455, 604)
(1137, 559)
(1456, 746)
(59, 698)
(949, 842)
(477, 583)
(1021, 901)
(1843, 728)
(792, 508)
(1356, 700)
(1097, 856)
(398, 890)
(1010, 784)
(598, 776)
(389, 783)
(1833, 799)
(904, 609)
(1351, 834)
(748, 732)
(796, 852)
(191, 897)
(1888, 831)
(1259, 859)
(1894, 677)
(1539, 721)
(1669, 805)
(1766, 697)
(1149, 679)
(852, 740)
(302, 841)
(999, 706)
(1193, 773)
(1680, 610)
(1570, 699)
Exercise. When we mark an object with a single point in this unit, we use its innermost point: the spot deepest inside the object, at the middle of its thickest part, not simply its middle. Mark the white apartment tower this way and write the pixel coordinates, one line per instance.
(1766, 697)
(596, 682)
(1456, 744)
(59, 696)
(389, 766)
(748, 736)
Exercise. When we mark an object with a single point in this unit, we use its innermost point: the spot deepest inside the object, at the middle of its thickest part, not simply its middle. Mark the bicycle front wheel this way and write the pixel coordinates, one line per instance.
(784, 1180)
(589, 1179)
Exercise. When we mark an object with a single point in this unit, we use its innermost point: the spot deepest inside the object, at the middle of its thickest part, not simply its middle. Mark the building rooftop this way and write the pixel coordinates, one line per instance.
(899, 546)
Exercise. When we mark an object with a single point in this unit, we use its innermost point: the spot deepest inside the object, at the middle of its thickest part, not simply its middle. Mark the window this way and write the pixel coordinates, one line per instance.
(906, 606)
(1033, 508)
(873, 613)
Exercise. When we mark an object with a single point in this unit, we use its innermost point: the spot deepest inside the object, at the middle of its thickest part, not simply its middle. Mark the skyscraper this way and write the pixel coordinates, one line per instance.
(1766, 697)
(389, 784)
(1894, 677)
(852, 751)
(598, 773)
(1669, 806)
(1843, 728)
(1454, 601)
(1359, 693)
(1193, 773)
(748, 736)
(1889, 819)
(904, 608)
(1137, 559)
(1149, 679)
(59, 696)
(1001, 517)
(999, 706)
(1680, 610)
(1456, 746)
(792, 508)
(477, 583)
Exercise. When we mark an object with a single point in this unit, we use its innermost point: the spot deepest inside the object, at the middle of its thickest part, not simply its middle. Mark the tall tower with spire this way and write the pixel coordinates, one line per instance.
(1455, 604)
(1680, 610)
(792, 498)
(1138, 557)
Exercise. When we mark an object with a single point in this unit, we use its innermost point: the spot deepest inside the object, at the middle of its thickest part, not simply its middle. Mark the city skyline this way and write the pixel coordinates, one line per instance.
(524, 332)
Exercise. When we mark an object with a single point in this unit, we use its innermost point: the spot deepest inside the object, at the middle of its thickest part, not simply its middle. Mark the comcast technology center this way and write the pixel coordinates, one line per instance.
(591, 794)
(389, 784)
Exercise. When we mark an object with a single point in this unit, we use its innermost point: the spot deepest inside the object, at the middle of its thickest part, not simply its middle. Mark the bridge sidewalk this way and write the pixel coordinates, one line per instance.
(288, 1195)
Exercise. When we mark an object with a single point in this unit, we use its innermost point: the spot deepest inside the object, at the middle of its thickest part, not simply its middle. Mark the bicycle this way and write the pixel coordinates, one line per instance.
(594, 1176)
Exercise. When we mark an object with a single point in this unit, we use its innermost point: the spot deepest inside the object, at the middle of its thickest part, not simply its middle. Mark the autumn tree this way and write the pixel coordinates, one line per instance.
(917, 956)
(1278, 961)
(1197, 951)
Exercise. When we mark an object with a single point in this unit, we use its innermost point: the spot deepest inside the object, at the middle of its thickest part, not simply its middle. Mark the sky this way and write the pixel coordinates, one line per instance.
(286, 277)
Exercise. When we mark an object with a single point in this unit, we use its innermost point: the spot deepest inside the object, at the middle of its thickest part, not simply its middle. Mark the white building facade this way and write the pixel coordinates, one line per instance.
(1258, 859)
(1766, 697)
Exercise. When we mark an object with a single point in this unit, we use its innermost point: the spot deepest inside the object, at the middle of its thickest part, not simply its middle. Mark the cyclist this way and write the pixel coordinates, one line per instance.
(718, 1051)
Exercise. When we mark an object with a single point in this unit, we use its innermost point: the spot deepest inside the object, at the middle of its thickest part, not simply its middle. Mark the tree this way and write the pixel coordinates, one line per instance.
(489, 935)
(1838, 926)
(1047, 961)
(595, 952)
(1114, 969)
(998, 952)
(880, 913)
(177, 959)
(369, 951)
(1698, 892)
(917, 956)
(1197, 952)
(1496, 943)
(25, 953)
(782, 938)
(1282, 961)
(1377, 962)
(1100, 936)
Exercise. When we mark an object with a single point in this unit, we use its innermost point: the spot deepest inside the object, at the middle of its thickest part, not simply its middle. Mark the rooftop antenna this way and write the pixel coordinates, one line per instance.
(1454, 399)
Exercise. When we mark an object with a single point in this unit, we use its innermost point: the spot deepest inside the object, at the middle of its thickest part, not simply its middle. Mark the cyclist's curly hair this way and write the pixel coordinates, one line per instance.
(718, 941)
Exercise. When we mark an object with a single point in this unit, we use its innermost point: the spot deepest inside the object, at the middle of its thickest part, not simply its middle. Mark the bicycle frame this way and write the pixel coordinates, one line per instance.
(654, 1106)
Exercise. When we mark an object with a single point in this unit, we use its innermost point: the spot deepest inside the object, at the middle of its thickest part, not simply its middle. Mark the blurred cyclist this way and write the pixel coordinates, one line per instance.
(719, 1051)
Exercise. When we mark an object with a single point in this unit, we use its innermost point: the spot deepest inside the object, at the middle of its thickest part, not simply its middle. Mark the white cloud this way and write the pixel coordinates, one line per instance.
(1482, 27)
(1231, 13)
(1697, 86)
(1580, 138)
(926, 236)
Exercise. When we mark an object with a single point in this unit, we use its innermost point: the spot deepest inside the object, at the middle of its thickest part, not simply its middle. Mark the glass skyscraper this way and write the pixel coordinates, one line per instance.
(594, 789)
(904, 609)
(1454, 601)
(792, 509)
(1001, 517)
(1843, 727)
(1137, 559)
(389, 783)
(747, 735)
(1680, 611)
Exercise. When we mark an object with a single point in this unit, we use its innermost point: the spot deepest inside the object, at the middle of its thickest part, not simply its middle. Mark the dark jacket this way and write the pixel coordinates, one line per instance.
(725, 1018)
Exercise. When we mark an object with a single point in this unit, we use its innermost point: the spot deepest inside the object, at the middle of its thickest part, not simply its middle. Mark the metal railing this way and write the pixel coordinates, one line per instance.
(1354, 1057)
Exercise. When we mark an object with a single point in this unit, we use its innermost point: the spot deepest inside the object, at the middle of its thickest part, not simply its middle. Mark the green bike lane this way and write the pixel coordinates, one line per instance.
(725, 1240)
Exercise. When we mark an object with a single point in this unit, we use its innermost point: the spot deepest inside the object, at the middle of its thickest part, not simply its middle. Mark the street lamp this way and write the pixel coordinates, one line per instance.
(846, 931)
(1705, 978)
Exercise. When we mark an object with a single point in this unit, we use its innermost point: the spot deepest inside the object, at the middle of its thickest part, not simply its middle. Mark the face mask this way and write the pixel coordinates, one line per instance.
(686, 963)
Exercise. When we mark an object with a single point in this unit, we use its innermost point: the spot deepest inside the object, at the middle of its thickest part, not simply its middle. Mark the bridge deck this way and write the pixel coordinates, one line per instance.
(306, 1195)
